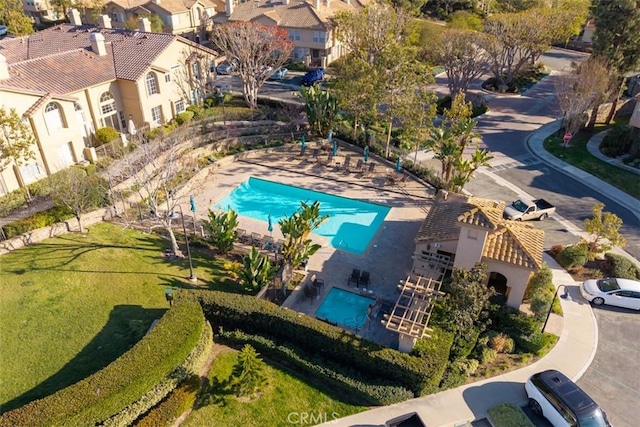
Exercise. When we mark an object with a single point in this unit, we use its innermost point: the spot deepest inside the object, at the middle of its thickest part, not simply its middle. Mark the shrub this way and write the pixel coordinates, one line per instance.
(106, 134)
(123, 381)
(514, 323)
(555, 250)
(572, 256)
(184, 117)
(537, 343)
(178, 402)
(36, 221)
(619, 266)
(501, 343)
(231, 311)
(617, 141)
(360, 388)
(462, 347)
(508, 415)
(11, 202)
(488, 355)
(198, 112)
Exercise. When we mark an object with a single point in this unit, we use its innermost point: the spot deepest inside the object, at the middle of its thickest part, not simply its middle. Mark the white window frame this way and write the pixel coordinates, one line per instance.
(167, 78)
(319, 37)
(53, 116)
(151, 82)
(156, 115)
(180, 106)
(295, 35)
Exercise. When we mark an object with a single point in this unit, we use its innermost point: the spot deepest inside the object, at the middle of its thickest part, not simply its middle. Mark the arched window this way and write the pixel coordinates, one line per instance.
(152, 84)
(109, 111)
(53, 116)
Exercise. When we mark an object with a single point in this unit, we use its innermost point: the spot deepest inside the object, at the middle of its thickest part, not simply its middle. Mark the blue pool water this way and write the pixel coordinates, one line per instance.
(351, 224)
(345, 308)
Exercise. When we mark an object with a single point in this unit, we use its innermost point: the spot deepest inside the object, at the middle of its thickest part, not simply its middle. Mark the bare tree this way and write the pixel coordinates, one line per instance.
(155, 174)
(196, 73)
(16, 144)
(582, 90)
(78, 191)
(463, 56)
(255, 49)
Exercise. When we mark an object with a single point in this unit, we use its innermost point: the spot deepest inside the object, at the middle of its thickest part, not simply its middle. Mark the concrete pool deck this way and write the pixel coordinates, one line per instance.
(388, 256)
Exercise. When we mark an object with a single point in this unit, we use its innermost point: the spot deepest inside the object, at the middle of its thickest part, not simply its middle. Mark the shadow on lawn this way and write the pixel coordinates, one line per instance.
(127, 324)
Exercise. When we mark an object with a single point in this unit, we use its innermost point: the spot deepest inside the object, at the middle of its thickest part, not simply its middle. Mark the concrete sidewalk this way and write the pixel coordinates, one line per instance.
(572, 355)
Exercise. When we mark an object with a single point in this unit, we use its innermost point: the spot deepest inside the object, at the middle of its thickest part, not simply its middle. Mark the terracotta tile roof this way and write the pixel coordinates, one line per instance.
(36, 105)
(62, 73)
(126, 4)
(59, 60)
(508, 241)
(296, 14)
(514, 243)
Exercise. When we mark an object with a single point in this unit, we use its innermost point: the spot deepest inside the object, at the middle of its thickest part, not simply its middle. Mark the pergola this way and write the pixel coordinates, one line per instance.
(411, 312)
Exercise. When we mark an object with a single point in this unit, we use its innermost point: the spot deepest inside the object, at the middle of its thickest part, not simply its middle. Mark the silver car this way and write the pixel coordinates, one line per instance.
(611, 291)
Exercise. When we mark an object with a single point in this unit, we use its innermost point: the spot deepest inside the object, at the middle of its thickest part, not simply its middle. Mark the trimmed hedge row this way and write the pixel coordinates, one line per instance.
(124, 381)
(508, 415)
(177, 403)
(255, 316)
(365, 390)
(38, 220)
(619, 266)
(191, 365)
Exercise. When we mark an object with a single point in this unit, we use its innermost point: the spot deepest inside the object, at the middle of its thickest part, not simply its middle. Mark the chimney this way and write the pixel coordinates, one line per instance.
(4, 68)
(347, 1)
(229, 7)
(104, 22)
(316, 4)
(144, 25)
(74, 17)
(97, 44)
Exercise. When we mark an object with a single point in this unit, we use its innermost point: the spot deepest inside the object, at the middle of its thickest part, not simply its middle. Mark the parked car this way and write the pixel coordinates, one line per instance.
(225, 68)
(3, 30)
(313, 76)
(279, 73)
(523, 210)
(612, 291)
(560, 400)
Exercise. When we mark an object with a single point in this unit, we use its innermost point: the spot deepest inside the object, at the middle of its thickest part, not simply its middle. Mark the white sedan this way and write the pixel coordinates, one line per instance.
(611, 291)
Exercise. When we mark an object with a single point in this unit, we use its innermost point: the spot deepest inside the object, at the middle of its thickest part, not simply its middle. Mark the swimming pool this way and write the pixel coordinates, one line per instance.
(351, 224)
(345, 308)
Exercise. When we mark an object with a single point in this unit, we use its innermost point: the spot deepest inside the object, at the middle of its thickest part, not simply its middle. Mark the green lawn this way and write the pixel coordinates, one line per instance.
(286, 400)
(578, 156)
(73, 304)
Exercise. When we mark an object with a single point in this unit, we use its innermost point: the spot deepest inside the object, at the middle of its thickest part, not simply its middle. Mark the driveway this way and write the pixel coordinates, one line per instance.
(613, 378)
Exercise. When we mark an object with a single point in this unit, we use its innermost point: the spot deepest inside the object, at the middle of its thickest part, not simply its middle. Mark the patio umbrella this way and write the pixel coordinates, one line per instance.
(270, 226)
(330, 136)
(335, 148)
(366, 153)
(304, 145)
(398, 167)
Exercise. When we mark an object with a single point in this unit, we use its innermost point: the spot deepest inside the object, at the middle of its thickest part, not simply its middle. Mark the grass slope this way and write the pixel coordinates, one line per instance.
(73, 304)
(286, 400)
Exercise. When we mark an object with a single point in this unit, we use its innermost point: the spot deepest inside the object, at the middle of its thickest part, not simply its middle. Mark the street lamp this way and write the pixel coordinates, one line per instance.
(565, 295)
(220, 95)
(192, 274)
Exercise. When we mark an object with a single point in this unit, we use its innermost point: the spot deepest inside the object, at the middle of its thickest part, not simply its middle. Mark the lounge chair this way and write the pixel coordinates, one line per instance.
(314, 154)
(347, 163)
(359, 166)
(364, 280)
(242, 235)
(256, 239)
(372, 169)
(280, 245)
(355, 277)
(330, 159)
(269, 243)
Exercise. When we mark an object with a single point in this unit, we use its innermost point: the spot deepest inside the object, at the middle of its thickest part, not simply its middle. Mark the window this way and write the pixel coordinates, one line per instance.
(180, 106)
(65, 154)
(294, 35)
(53, 116)
(300, 53)
(156, 115)
(195, 68)
(109, 111)
(167, 78)
(30, 172)
(152, 84)
(319, 37)
(114, 17)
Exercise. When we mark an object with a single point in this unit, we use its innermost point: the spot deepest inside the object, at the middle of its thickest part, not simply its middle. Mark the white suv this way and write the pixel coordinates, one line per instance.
(557, 398)
(3, 30)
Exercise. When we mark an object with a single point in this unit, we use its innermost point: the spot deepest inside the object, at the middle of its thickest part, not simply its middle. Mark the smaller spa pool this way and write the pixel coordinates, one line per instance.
(345, 308)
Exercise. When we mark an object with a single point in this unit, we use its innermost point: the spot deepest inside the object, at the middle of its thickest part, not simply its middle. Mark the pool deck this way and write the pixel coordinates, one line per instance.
(388, 257)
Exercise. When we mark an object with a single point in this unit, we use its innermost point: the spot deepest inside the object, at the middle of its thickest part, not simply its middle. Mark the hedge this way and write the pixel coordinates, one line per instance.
(38, 220)
(508, 415)
(572, 256)
(178, 402)
(122, 382)
(367, 391)
(619, 266)
(255, 316)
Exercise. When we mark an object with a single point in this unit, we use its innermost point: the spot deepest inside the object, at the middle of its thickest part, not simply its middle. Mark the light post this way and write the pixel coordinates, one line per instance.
(565, 295)
(220, 94)
(192, 274)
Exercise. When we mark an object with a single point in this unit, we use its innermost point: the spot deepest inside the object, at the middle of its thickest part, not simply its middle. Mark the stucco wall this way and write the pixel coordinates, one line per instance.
(470, 246)
(517, 279)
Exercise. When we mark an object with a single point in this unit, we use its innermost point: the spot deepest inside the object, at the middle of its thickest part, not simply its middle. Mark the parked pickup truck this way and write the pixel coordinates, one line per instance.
(523, 210)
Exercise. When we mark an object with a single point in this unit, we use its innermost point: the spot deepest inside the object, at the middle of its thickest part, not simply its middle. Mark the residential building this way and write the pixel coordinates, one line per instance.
(307, 22)
(69, 80)
(188, 19)
(468, 230)
(40, 10)
(635, 116)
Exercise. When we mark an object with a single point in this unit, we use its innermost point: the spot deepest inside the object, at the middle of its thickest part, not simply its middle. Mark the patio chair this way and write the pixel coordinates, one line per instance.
(256, 239)
(310, 292)
(269, 243)
(317, 283)
(330, 159)
(359, 166)
(365, 280)
(242, 235)
(355, 277)
(372, 169)
(279, 245)
(347, 163)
